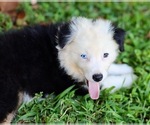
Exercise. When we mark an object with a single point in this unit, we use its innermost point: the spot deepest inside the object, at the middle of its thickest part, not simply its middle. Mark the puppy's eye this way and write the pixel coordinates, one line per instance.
(105, 55)
(84, 56)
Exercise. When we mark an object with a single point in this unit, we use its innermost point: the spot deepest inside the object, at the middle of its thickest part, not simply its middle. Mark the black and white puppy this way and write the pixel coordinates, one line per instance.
(51, 58)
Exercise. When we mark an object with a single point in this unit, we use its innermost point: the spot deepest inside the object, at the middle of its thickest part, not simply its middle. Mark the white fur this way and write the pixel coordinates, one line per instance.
(26, 98)
(93, 39)
(120, 75)
(118, 69)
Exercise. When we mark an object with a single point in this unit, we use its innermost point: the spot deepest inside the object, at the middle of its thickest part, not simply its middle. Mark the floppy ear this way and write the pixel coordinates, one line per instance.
(119, 35)
(63, 34)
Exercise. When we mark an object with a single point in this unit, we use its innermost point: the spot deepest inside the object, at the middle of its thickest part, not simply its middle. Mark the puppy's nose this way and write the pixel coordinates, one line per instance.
(97, 77)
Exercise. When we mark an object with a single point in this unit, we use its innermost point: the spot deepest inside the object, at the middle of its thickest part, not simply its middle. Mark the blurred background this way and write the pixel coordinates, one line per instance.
(14, 14)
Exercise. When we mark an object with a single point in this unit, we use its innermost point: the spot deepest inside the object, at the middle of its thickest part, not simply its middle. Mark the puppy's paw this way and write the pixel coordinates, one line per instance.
(118, 82)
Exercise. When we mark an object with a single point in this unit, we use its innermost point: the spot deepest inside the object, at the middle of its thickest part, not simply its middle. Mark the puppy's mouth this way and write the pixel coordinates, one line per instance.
(93, 88)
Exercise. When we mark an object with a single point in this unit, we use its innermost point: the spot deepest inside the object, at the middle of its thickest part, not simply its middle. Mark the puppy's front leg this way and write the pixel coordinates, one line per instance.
(119, 69)
(118, 81)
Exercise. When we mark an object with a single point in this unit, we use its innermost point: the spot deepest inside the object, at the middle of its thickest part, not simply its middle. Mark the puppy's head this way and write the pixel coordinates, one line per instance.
(87, 48)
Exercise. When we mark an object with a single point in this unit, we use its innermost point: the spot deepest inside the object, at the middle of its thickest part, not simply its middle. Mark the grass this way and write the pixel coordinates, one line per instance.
(124, 106)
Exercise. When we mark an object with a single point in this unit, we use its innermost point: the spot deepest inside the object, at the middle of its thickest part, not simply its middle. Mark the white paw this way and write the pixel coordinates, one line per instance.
(118, 81)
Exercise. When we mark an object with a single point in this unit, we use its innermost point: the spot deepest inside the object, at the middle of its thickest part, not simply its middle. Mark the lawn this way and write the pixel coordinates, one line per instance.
(126, 105)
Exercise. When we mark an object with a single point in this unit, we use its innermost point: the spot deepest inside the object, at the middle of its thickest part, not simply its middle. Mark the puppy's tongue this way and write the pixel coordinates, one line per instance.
(94, 89)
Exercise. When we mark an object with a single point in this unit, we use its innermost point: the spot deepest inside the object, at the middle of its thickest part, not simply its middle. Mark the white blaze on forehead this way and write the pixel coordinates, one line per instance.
(92, 36)
(98, 27)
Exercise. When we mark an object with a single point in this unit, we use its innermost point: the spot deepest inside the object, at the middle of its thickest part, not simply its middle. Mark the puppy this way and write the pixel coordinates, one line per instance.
(51, 58)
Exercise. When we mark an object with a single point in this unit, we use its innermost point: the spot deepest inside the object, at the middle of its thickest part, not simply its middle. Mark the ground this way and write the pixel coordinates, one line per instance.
(124, 106)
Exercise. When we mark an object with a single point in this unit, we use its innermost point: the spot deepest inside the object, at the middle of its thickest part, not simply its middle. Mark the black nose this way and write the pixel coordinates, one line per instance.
(97, 77)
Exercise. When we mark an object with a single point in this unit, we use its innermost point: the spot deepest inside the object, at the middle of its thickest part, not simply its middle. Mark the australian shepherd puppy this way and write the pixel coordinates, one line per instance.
(54, 57)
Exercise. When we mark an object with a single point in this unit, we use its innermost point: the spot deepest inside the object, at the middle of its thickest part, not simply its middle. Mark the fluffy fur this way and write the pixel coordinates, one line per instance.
(48, 59)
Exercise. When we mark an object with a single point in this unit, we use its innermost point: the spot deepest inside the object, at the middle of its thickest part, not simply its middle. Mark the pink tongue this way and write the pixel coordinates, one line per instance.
(94, 89)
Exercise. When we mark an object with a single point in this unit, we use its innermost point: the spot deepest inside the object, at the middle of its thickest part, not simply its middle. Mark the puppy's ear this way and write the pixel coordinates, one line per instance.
(119, 35)
(64, 34)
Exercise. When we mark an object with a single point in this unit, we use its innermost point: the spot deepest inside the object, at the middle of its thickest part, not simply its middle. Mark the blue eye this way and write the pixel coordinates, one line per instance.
(84, 56)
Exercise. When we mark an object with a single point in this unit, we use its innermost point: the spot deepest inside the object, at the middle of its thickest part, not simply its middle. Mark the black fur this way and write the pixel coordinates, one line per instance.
(119, 36)
(63, 34)
(28, 62)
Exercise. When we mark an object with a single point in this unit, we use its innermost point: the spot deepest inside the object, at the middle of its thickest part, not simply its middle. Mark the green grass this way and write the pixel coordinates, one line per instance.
(124, 106)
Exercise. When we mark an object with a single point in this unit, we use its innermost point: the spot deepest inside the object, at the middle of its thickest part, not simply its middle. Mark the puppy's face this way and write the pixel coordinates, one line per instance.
(89, 51)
